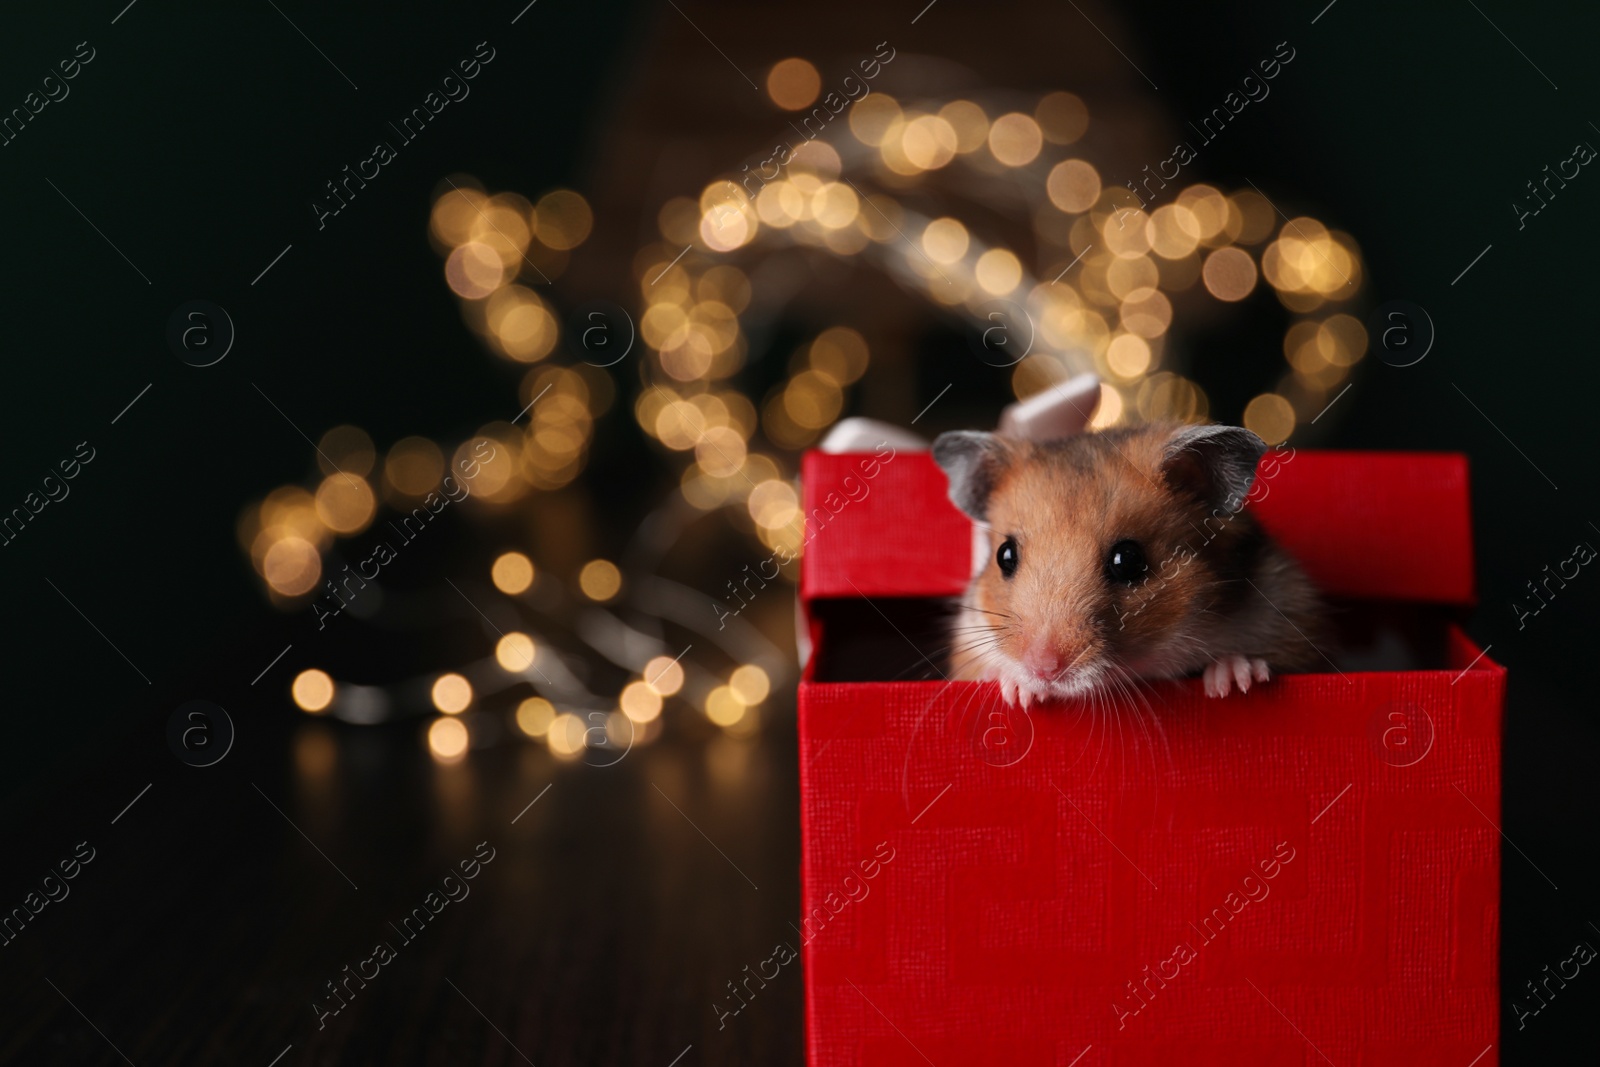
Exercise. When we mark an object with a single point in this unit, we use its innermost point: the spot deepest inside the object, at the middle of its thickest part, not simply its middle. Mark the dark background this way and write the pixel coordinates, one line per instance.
(195, 141)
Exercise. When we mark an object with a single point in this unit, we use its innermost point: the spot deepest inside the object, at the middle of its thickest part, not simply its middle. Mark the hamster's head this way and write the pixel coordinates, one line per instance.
(1109, 553)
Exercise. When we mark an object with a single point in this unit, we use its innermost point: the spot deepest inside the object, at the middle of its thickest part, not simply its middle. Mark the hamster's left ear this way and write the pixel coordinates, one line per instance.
(1215, 463)
(974, 462)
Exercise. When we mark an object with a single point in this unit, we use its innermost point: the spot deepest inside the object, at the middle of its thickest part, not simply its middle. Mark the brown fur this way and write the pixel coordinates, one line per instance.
(1066, 503)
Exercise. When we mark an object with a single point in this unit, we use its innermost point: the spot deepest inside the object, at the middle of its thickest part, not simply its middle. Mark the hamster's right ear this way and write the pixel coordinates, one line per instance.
(974, 463)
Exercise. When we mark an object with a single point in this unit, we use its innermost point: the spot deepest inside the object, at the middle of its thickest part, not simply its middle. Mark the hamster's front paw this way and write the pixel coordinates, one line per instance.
(1008, 689)
(1227, 671)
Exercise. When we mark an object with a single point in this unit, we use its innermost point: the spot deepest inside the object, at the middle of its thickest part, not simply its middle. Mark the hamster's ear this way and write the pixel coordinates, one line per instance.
(1215, 463)
(974, 463)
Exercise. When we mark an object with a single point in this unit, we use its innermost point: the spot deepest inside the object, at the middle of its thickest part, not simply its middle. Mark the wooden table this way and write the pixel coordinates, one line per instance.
(221, 901)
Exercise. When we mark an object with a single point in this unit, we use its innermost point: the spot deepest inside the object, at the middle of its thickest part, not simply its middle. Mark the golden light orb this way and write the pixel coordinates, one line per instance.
(292, 566)
(1229, 274)
(998, 272)
(812, 400)
(1062, 117)
(474, 270)
(515, 652)
(720, 451)
(600, 580)
(348, 449)
(840, 353)
(835, 205)
(1174, 231)
(455, 212)
(512, 573)
(521, 325)
(664, 675)
(969, 122)
(1270, 417)
(534, 716)
(872, 117)
(452, 693)
(1146, 312)
(750, 684)
(640, 701)
(724, 707)
(447, 739)
(1015, 139)
(1128, 356)
(929, 142)
(564, 219)
(566, 735)
(345, 503)
(414, 466)
(312, 690)
(793, 84)
(1073, 185)
(945, 240)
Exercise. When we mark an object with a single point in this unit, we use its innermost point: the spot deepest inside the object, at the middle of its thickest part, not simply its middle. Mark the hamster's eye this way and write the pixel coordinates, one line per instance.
(1008, 557)
(1126, 563)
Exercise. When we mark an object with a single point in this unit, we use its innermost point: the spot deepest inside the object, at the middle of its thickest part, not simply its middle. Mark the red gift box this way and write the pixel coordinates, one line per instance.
(1307, 873)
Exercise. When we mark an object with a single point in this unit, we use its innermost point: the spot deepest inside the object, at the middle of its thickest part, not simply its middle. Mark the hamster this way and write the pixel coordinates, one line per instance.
(1123, 555)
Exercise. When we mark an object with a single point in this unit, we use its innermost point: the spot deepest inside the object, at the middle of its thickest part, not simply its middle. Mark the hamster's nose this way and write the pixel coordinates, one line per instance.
(1043, 660)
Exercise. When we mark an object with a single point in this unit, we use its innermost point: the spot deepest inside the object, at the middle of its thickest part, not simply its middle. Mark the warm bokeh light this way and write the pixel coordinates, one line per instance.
(1174, 231)
(566, 734)
(873, 117)
(514, 652)
(1062, 117)
(474, 270)
(600, 579)
(621, 730)
(456, 211)
(1015, 139)
(969, 122)
(512, 573)
(1073, 185)
(929, 142)
(347, 449)
(520, 325)
(1270, 417)
(414, 466)
(312, 690)
(564, 219)
(750, 684)
(723, 706)
(961, 203)
(1229, 273)
(1128, 356)
(1146, 313)
(998, 272)
(534, 716)
(447, 739)
(664, 675)
(945, 240)
(292, 566)
(793, 84)
(452, 694)
(640, 701)
(345, 503)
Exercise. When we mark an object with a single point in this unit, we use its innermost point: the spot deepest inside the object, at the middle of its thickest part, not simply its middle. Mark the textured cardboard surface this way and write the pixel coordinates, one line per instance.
(1041, 862)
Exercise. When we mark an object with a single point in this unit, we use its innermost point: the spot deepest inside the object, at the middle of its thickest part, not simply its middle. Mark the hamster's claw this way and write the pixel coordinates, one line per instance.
(1226, 672)
(1008, 690)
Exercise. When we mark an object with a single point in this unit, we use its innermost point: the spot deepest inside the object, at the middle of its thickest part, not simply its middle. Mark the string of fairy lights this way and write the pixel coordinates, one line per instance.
(1116, 270)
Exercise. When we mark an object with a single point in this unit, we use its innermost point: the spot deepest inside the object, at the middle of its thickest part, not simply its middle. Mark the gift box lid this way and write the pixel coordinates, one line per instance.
(1382, 526)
